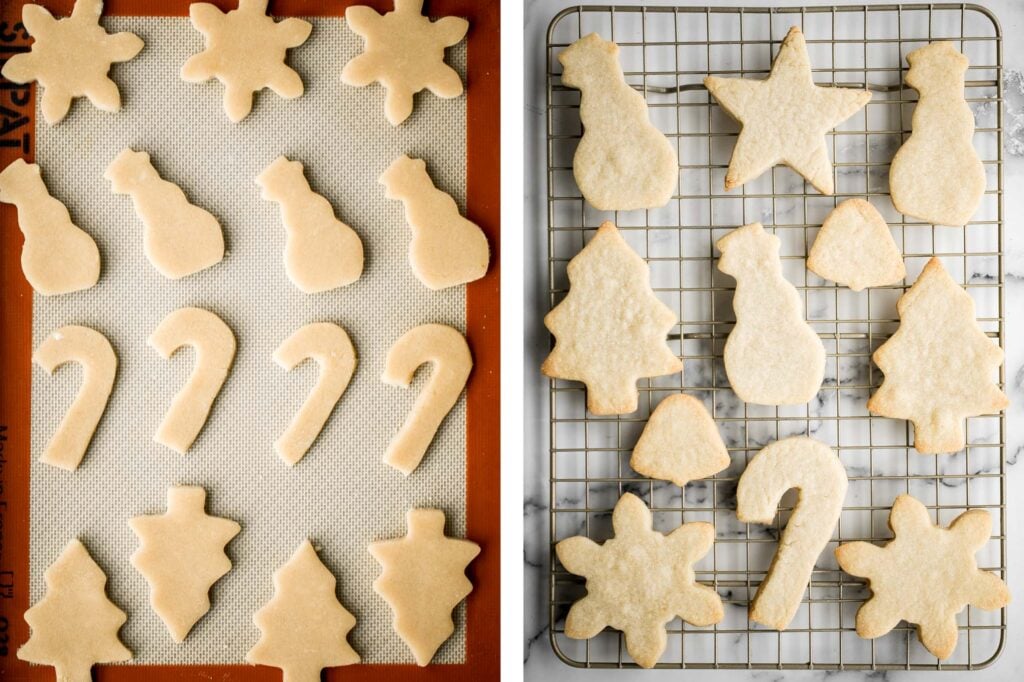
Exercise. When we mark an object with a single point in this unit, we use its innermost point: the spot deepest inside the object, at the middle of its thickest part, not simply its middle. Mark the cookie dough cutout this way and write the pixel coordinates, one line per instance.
(330, 347)
(610, 329)
(939, 366)
(936, 175)
(74, 625)
(304, 627)
(404, 52)
(772, 356)
(680, 443)
(925, 575)
(71, 57)
(815, 470)
(446, 249)
(785, 118)
(321, 252)
(446, 349)
(423, 580)
(214, 345)
(623, 162)
(855, 248)
(58, 256)
(181, 555)
(178, 238)
(245, 50)
(94, 353)
(639, 580)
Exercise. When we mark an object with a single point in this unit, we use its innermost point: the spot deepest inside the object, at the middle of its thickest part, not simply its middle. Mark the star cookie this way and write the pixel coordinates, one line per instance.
(784, 118)
(925, 575)
(404, 52)
(245, 50)
(71, 58)
(640, 580)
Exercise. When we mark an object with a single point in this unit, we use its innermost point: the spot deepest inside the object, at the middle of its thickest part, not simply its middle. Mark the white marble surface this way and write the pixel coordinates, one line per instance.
(539, 659)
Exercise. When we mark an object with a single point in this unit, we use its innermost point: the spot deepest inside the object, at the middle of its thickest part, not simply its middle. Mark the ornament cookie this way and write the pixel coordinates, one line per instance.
(71, 58)
(75, 625)
(245, 50)
(855, 248)
(925, 575)
(321, 252)
(622, 162)
(772, 356)
(639, 580)
(179, 238)
(58, 257)
(784, 118)
(404, 52)
(181, 555)
(936, 175)
(815, 470)
(444, 348)
(214, 345)
(93, 352)
(329, 345)
(423, 580)
(680, 443)
(446, 249)
(610, 329)
(939, 365)
(304, 627)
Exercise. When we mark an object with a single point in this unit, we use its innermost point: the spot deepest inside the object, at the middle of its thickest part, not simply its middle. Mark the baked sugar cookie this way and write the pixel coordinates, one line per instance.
(680, 443)
(785, 118)
(855, 248)
(926, 575)
(622, 162)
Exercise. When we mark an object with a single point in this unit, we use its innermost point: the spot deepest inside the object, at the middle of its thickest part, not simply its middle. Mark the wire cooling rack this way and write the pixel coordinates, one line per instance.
(666, 52)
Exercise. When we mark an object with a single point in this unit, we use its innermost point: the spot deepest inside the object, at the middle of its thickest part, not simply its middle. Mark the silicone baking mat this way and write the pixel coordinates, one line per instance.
(341, 495)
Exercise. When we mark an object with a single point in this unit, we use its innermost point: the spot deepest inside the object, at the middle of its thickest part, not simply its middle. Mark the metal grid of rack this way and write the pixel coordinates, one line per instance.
(666, 52)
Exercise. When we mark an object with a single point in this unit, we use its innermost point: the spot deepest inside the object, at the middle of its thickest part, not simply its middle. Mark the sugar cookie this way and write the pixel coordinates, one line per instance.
(925, 575)
(785, 118)
(639, 580)
(855, 248)
(404, 52)
(622, 162)
(679, 443)
(939, 366)
(610, 329)
(422, 580)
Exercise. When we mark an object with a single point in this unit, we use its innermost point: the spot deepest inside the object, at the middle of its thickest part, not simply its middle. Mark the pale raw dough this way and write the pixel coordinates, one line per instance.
(423, 579)
(181, 555)
(939, 366)
(446, 349)
(321, 252)
(214, 345)
(679, 443)
(179, 238)
(93, 352)
(330, 347)
(772, 356)
(815, 470)
(610, 329)
(74, 625)
(936, 175)
(446, 249)
(245, 50)
(925, 575)
(622, 162)
(304, 627)
(855, 248)
(785, 118)
(404, 52)
(639, 580)
(70, 58)
(58, 257)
